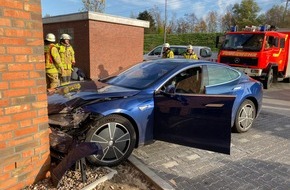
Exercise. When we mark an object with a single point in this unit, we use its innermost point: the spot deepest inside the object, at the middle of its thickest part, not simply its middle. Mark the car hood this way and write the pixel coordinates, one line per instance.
(74, 95)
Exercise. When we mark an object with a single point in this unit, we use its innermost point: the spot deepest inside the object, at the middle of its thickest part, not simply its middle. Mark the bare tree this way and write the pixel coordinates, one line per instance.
(192, 21)
(156, 14)
(200, 26)
(211, 20)
(182, 26)
(94, 5)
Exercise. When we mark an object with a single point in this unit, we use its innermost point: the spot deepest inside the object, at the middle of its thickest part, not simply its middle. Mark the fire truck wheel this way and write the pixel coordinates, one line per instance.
(269, 79)
(245, 116)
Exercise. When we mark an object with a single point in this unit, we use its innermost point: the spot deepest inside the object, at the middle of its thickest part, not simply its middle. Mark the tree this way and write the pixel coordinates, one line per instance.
(192, 21)
(156, 14)
(211, 21)
(246, 13)
(94, 5)
(274, 16)
(200, 26)
(227, 21)
(182, 26)
(145, 15)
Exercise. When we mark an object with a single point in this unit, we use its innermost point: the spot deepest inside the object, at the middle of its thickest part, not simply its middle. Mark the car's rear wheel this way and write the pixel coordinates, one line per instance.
(245, 116)
(117, 137)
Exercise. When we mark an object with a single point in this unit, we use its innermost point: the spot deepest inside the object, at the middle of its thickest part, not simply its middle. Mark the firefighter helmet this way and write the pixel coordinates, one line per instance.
(65, 37)
(167, 45)
(189, 47)
(50, 37)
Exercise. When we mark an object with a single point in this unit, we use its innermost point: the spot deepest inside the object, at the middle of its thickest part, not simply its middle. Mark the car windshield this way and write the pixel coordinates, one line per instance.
(141, 75)
(247, 42)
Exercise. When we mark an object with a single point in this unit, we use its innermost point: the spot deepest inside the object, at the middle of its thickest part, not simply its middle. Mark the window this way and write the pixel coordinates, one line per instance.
(218, 75)
(188, 82)
(156, 51)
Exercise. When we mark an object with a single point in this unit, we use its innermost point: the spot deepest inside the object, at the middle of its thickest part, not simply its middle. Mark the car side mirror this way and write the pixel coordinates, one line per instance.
(205, 52)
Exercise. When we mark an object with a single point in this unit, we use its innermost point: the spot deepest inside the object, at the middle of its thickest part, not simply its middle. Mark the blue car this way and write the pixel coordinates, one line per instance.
(189, 102)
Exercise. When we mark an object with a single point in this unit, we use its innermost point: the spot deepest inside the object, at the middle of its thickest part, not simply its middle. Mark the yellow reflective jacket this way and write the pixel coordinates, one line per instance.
(52, 58)
(67, 56)
(190, 55)
(168, 54)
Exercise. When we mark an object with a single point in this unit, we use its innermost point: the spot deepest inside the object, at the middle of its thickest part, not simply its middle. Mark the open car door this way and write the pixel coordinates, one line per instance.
(199, 121)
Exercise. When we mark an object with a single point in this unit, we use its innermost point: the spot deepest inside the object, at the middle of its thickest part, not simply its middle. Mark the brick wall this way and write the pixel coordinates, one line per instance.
(114, 47)
(24, 142)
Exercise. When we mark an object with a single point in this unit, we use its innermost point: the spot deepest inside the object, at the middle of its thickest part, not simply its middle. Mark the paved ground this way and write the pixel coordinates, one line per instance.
(260, 158)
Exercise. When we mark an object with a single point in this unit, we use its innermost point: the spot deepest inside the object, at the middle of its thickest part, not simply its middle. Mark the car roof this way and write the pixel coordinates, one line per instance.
(183, 46)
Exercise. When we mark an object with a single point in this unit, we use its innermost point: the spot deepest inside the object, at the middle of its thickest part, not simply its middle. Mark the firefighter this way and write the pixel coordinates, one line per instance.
(52, 62)
(67, 55)
(189, 54)
(167, 52)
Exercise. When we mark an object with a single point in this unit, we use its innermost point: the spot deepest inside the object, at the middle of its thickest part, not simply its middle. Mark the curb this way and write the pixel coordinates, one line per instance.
(158, 181)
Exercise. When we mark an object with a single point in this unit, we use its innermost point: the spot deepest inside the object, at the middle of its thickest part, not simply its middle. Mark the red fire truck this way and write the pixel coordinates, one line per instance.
(260, 52)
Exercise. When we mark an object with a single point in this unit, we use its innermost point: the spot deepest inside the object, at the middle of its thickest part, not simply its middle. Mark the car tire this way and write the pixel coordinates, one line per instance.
(245, 116)
(269, 79)
(117, 137)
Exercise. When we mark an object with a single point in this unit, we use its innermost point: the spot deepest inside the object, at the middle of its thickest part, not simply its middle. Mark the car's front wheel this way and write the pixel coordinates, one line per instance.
(117, 137)
(245, 116)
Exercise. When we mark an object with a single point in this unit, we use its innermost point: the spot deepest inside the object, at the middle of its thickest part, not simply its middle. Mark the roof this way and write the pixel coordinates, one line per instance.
(97, 17)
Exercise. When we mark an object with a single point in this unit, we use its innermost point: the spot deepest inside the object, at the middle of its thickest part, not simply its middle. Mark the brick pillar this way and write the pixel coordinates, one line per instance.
(24, 142)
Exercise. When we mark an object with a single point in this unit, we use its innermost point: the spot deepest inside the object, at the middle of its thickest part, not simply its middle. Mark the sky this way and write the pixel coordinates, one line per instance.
(127, 8)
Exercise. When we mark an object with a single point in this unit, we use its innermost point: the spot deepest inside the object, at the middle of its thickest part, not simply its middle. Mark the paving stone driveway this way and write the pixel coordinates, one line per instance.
(260, 159)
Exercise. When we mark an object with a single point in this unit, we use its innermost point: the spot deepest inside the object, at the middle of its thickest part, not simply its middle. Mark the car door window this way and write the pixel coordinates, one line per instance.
(156, 51)
(219, 75)
(188, 82)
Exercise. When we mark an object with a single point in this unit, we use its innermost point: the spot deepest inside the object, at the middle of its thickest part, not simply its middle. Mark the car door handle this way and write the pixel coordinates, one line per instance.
(214, 105)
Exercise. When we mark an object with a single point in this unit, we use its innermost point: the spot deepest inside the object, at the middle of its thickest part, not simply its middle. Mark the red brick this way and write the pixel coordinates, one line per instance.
(40, 66)
(6, 59)
(3, 85)
(5, 176)
(22, 83)
(5, 22)
(19, 50)
(39, 120)
(39, 59)
(36, 74)
(3, 67)
(41, 112)
(21, 67)
(2, 146)
(5, 119)
(41, 81)
(38, 105)
(14, 75)
(20, 141)
(21, 58)
(27, 153)
(25, 123)
(17, 33)
(18, 23)
(12, 4)
(25, 115)
(2, 50)
(7, 184)
(38, 90)
(16, 14)
(12, 41)
(9, 167)
(41, 97)
(16, 92)
(32, 7)
(43, 148)
(25, 131)
(8, 127)
(17, 109)
(34, 42)
(6, 136)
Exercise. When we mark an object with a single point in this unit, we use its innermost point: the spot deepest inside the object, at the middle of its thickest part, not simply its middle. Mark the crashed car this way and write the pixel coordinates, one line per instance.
(187, 102)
